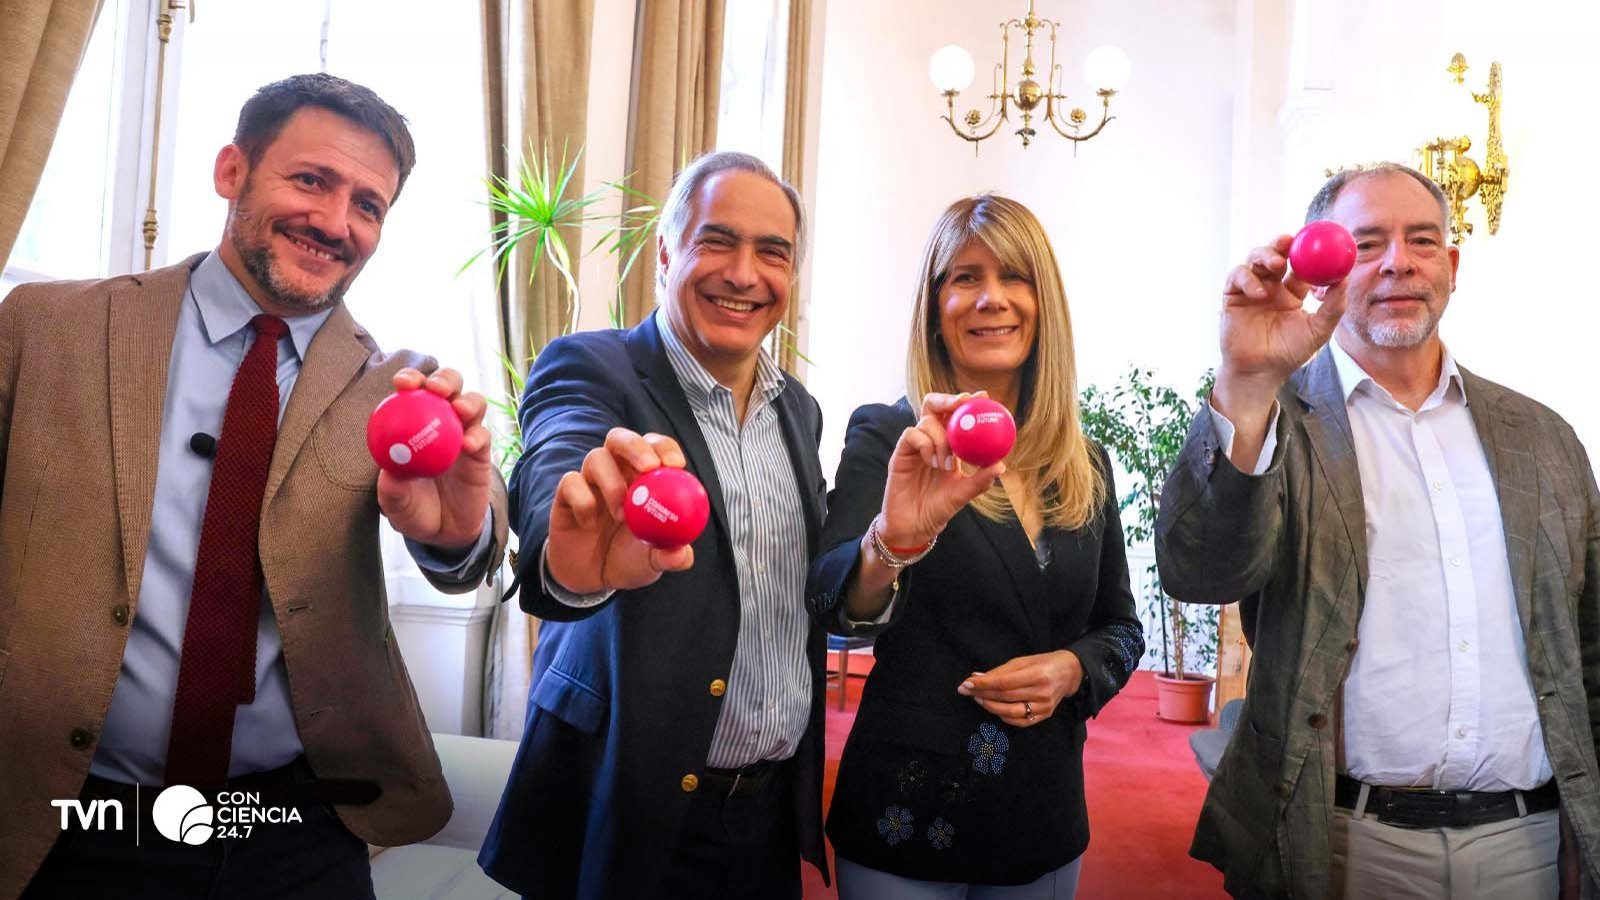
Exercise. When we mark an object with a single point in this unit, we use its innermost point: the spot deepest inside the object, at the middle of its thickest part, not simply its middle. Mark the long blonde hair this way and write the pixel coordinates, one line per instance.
(1052, 455)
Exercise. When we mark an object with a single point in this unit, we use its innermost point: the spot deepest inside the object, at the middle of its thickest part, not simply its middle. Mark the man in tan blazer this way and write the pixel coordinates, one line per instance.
(1416, 552)
(191, 590)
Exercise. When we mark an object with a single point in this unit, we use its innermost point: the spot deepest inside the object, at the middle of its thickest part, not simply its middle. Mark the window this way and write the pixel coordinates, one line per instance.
(428, 68)
(67, 232)
(229, 51)
(85, 221)
(86, 218)
(755, 52)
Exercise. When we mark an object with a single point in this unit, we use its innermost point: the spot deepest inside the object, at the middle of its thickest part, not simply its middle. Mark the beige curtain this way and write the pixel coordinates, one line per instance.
(794, 160)
(550, 93)
(676, 86)
(543, 75)
(39, 53)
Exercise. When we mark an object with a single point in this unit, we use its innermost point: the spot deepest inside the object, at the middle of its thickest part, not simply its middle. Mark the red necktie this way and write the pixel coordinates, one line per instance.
(218, 669)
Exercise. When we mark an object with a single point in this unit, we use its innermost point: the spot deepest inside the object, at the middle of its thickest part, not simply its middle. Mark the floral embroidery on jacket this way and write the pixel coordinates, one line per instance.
(941, 834)
(895, 826)
(911, 776)
(988, 746)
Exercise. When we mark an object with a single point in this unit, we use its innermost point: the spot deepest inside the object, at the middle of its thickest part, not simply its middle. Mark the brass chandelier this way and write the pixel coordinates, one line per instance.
(952, 70)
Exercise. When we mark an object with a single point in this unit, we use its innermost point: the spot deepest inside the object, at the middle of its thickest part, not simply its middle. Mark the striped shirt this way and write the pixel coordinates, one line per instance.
(768, 703)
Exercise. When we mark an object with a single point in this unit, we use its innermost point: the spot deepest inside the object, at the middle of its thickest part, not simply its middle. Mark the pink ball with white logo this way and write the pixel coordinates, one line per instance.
(414, 433)
(1323, 253)
(666, 508)
(981, 431)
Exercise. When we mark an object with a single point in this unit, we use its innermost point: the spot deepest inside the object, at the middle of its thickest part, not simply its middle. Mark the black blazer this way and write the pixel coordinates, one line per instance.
(620, 708)
(931, 786)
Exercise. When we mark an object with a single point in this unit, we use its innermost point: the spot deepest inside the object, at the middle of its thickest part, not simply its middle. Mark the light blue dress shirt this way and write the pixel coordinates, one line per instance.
(212, 336)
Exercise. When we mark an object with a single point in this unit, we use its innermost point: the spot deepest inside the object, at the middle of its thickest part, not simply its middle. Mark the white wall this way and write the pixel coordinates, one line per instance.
(1139, 218)
(1523, 314)
(1234, 110)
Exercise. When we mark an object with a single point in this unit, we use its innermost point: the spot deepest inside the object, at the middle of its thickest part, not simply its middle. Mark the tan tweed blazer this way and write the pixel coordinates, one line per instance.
(83, 373)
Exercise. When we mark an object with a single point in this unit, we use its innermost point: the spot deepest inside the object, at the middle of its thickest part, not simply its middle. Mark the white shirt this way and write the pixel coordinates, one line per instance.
(1438, 694)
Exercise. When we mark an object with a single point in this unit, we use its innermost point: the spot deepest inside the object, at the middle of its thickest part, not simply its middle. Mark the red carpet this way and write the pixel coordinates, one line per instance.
(1144, 794)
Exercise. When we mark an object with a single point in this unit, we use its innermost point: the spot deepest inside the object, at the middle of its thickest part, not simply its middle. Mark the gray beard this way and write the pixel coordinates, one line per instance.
(261, 263)
(1398, 335)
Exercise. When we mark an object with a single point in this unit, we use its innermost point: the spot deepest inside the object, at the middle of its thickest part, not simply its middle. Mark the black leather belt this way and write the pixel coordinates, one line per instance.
(293, 784)
(1419, 808)
(743, 781)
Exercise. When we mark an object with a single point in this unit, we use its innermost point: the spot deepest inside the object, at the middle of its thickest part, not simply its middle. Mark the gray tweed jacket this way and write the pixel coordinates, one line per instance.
(1290, 545)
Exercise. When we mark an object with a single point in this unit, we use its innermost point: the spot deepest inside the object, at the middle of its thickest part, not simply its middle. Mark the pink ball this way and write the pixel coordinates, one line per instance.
(414, 434)
(1323, 253)
(666, 508)
(981, 431)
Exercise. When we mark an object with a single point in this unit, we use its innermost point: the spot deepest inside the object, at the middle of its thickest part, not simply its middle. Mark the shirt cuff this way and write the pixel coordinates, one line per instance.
(857, 625)
(1224, 430)
(453, 565)
(568, 598)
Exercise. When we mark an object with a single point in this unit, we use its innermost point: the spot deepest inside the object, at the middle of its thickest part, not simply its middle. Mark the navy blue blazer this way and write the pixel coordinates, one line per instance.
(931, 786)
(620, 708)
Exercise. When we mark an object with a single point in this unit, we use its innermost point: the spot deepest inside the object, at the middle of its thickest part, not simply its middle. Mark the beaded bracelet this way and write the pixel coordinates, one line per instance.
(895, 560)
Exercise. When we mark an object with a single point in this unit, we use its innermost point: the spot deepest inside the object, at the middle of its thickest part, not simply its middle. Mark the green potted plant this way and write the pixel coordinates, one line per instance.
(1143, 424)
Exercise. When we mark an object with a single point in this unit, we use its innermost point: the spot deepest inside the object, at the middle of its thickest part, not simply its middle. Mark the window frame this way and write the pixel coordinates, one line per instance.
(127, 194)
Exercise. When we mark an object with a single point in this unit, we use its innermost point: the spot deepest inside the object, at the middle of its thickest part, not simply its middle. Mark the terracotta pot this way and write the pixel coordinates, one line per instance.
(1184, 700)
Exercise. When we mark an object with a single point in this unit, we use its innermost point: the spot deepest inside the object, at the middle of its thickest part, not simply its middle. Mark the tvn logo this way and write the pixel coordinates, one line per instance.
(94, 812)
(182, 814)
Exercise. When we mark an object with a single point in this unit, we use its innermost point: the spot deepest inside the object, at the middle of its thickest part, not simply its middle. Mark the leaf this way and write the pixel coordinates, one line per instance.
(1144, 425)
(536, 206)
(788, 339)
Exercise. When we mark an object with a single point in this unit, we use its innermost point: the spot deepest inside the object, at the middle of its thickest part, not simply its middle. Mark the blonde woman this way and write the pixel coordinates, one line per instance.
(1001, 594)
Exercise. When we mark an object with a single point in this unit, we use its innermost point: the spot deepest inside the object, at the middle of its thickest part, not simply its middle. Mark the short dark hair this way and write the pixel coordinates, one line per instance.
(1329, 192)
(265, 113)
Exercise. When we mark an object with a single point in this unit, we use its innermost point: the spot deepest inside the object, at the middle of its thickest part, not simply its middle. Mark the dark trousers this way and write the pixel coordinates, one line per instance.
(740, 847)
(316, 858)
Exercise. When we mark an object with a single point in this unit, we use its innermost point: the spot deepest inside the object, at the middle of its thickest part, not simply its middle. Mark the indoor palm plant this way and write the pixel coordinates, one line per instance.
(533, 207)
(1143, 425)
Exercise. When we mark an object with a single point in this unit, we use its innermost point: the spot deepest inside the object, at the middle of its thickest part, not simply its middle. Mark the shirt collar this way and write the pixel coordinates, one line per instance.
(1352, 378)
(226, 307)
(699, 384)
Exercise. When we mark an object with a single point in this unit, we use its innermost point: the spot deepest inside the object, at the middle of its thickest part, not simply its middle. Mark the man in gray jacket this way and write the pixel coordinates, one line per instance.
(1417, 555)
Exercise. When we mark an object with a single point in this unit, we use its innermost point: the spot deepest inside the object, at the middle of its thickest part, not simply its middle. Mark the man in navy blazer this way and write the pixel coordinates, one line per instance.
(674, 736)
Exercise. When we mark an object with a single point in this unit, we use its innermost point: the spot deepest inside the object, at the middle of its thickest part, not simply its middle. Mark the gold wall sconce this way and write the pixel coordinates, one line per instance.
(1446, 161)
(952, 70)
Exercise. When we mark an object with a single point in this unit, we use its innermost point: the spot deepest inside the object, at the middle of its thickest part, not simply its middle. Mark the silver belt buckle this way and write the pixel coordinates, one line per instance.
(737, 777)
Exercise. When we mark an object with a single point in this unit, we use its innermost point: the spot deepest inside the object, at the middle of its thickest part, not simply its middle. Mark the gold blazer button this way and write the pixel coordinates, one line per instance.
(718, 687)
(690, 783)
